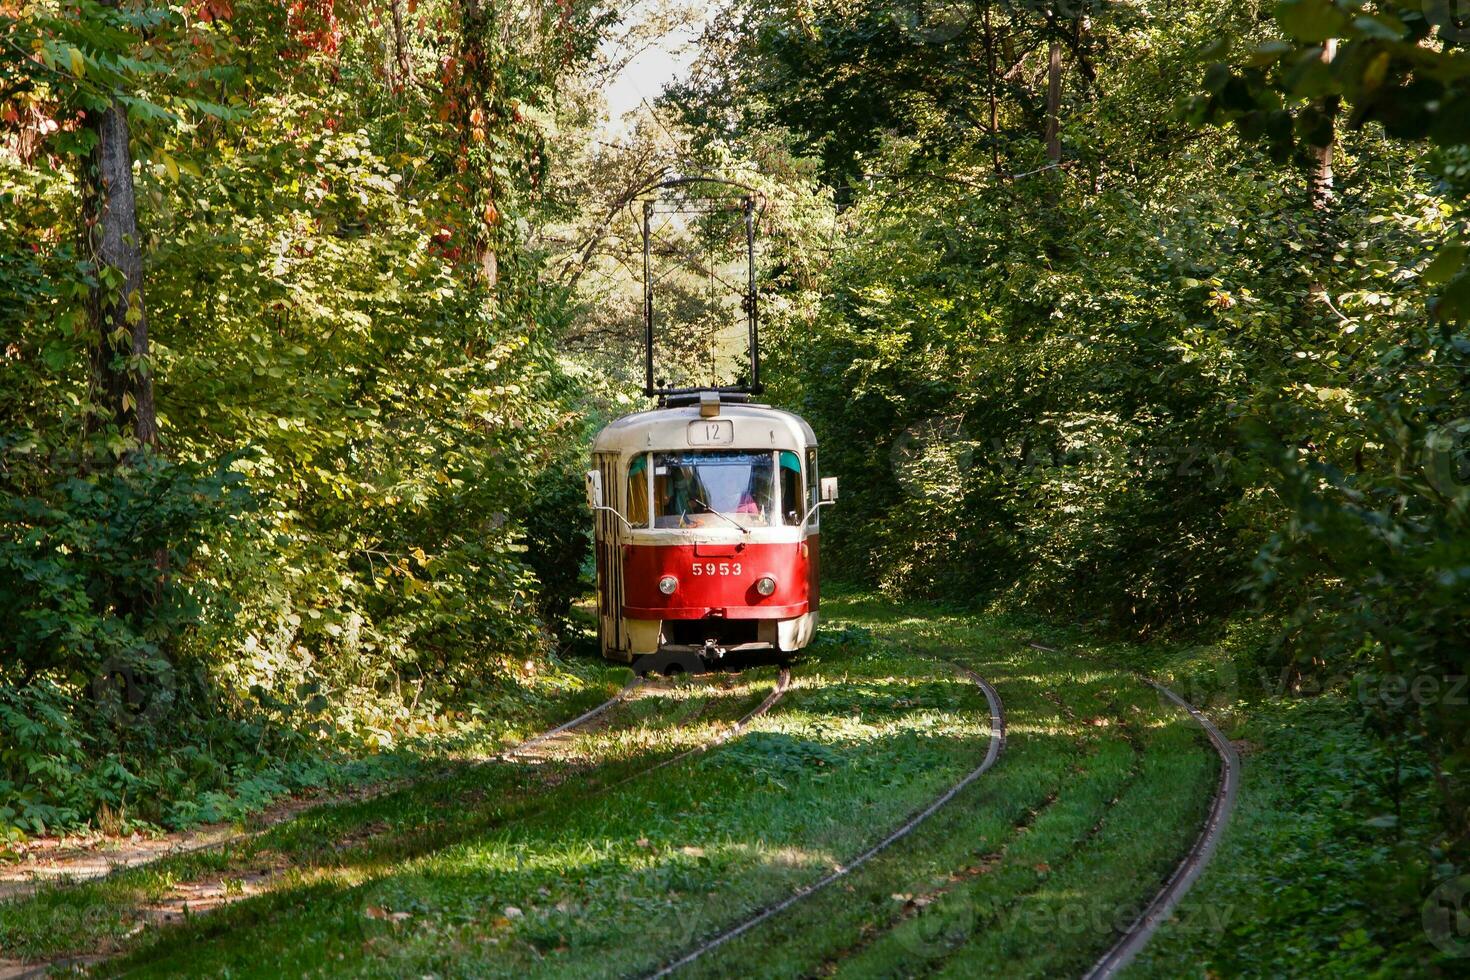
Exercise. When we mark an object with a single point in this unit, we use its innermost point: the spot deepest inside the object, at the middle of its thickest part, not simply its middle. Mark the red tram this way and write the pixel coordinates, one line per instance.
(708, 533)
(708, 505)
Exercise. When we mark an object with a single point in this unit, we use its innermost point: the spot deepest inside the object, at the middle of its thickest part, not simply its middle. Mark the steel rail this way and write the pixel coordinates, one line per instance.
(1137, 935)
(576, 722)
(783, 684)
(34, 971)
(63, 879)
(11, 970)
(992, 754)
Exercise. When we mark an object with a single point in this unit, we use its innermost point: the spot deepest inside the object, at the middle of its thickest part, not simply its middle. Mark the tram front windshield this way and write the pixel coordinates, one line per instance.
(710, 489)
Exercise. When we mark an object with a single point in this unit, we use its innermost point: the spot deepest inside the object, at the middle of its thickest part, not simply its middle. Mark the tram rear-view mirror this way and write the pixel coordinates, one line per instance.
(829, 488)
(594, 489)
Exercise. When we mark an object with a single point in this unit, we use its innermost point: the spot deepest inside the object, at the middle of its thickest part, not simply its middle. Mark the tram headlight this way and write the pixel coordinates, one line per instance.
(766, 585)
(668, 584)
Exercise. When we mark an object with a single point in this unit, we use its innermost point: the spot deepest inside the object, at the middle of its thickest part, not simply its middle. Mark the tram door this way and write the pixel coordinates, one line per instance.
(610, 631)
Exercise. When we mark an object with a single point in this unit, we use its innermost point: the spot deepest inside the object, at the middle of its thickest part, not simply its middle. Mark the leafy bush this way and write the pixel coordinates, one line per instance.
(91, 566)
(343, 309)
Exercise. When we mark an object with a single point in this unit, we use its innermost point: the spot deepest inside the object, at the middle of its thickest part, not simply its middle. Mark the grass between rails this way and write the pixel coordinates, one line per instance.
(519, 873)
(863, 738)
(1029, 872)
(413, 746)
(360, 838)
(1101, 790)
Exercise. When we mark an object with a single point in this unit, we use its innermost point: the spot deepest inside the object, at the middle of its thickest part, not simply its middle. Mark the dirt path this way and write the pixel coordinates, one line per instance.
(25, 868)
(30, 866)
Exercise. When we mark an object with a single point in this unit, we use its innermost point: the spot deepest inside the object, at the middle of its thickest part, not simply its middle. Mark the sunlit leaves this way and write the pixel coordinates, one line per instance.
(1310, 20)
(304, 305)
(1388, 72)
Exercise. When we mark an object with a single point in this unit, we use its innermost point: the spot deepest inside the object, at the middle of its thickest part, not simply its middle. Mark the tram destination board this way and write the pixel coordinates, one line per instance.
(712, 432)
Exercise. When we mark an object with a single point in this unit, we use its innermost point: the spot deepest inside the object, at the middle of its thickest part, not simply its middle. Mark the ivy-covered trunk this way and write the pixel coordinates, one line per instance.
(121, 379)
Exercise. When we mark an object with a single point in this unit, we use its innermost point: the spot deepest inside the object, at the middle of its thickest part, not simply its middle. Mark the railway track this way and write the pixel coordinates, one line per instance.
(992, 754)
(1135, 937)
(12, 970)
(1129, 942)
(783, 684)
(1192, 865)
(1142, 929)
(91, 872)
(592, 714)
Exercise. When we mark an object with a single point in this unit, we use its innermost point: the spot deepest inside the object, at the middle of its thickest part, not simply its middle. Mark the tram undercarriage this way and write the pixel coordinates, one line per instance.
(694, 645)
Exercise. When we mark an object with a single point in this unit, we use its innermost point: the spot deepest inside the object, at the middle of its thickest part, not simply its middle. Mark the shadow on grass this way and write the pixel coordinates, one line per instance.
(460, 800)
(594, 883)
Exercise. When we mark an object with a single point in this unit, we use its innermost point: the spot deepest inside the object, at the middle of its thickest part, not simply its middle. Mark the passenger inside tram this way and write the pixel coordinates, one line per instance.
(707, 489)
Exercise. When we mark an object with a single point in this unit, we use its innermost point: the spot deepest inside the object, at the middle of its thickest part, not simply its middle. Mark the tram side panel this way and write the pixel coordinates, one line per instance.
(610, 630)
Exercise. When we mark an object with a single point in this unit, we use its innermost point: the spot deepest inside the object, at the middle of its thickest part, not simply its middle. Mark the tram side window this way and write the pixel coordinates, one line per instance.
(638, 491)
(792, 502)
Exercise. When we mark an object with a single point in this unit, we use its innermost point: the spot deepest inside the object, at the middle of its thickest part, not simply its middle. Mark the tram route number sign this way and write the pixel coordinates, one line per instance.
(712, 432)
(715, 568)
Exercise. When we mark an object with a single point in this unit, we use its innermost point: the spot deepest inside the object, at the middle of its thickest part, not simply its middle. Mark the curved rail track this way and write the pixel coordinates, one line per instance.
(577, 722)
(1109, 965)
(1137, 935)
(783, 684)
(11, 970)
(992, 754)
(1192, 865)
(20, 889)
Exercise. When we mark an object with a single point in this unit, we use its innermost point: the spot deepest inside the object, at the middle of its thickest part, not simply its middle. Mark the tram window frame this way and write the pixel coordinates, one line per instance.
(645, 519)
(767, 502)
(794, 508)
(813, 485)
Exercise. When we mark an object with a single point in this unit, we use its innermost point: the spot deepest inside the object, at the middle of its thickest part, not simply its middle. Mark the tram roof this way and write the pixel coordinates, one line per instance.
(751, 427)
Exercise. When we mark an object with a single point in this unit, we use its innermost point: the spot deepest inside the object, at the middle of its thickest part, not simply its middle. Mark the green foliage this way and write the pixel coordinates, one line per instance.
(364, 432)
(1167, 375)
(87, 564)
(1401, 66)
(559, 539)
(1325, 867)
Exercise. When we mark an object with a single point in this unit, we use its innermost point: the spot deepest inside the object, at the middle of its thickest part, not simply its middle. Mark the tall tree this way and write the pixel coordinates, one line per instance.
(1324, 139)
(1054, 99)
(990, 84)
(121, 375)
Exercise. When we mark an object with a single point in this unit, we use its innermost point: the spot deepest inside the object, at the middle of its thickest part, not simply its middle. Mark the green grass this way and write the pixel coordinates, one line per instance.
(364, 837)
(589, 864)
(1088, 748)
(860, 741)
(1309, 878)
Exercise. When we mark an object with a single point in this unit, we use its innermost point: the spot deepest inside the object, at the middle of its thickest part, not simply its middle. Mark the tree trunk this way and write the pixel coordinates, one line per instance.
(400, 48)
(489, 262)
(991, 83)
(1054, 102)
(476, 22)
(121, 375)
(1319, 178)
